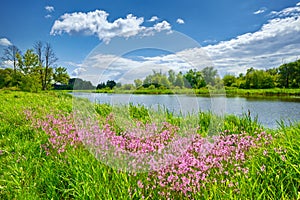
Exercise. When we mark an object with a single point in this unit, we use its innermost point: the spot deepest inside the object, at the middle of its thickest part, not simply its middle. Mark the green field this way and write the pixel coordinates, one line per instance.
(42, 155)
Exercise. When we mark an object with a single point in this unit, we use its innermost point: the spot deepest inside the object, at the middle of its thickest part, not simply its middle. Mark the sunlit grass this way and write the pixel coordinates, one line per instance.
(271, 170)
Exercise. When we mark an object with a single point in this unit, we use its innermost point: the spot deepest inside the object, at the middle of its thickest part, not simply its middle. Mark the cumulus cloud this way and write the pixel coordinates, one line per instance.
(96, 23)
(162, 26)
(5, 42)
(287, 12)
(153, 19)
(78, 71)
(180, 21)
(277, 41)
(49, 9)
(48, 16)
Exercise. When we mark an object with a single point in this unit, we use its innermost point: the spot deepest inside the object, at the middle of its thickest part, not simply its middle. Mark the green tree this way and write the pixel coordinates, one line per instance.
(60, 75)
(194, 79)
(138, 83)
(164, 81)
(111, 84)
(172, 76)
(289, 74)
(209, 75)
(179, 80)
(259, 79)
(6, 77)
(29, 67)
(229, 80)
(101, 86)
(47, 59)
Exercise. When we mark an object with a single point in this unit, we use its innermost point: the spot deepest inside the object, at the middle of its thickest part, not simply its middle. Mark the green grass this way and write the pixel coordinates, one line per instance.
(26, 172)
(230, 91)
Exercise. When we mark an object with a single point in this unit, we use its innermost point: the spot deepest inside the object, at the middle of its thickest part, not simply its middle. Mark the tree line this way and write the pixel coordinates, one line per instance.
(34, 70)
(285, 76)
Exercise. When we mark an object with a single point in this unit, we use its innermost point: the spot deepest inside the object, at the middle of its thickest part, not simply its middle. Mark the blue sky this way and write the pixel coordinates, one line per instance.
(234, 34)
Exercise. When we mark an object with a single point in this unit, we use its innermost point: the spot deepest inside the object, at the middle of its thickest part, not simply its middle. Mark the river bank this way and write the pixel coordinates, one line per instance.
(43, 154)
(276, 92)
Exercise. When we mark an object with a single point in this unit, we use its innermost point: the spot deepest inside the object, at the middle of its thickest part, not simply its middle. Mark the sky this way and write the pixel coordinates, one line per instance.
(126, 39)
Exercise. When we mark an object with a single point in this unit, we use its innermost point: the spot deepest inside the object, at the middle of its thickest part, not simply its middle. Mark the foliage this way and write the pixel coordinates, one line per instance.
(285, 76)
(110, 84)
(33, 71)
(229, 80)
(289, 74)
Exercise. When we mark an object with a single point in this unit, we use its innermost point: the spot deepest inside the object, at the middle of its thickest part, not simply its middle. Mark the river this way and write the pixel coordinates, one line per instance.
(268, 110)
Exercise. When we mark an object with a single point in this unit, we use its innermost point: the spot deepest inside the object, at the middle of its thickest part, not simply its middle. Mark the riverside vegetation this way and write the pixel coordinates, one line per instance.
(44, 153)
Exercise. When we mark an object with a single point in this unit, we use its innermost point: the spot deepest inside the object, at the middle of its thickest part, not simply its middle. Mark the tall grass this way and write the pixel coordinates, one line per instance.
(269, 169)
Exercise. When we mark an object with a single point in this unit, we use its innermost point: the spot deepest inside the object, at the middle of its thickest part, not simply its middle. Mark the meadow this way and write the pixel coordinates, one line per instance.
(47, 152)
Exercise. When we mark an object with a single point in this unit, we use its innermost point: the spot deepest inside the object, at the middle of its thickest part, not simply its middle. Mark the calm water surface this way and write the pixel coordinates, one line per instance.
(268, 110)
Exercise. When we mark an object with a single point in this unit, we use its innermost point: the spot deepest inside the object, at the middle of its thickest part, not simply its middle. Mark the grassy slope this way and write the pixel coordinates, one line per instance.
(27, 173)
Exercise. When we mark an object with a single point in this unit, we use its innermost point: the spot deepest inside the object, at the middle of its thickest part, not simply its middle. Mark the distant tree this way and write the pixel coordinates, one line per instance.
(148, 80)
(164, 81)
(138, 83)
(10, 54)
(101, 86)
(119, 85)
(194, 79)
(79, 84)
(128, 87)
(289, 74)
(209, 74)
(179, 81)
(258, 79)
(111, 84)
(171, 76)
(229, 80)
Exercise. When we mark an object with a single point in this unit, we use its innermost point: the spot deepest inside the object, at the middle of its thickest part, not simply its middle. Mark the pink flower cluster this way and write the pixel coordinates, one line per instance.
(191, 171)
(142, 147)
(61, 130)
(175, 161)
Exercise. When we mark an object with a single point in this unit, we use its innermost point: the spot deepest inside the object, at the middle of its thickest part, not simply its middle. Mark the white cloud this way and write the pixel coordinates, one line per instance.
(153, 19)
(48, 16)
(5, 42)
(180, 21)
(260, 11)
(277, 41)
(96, 23)
(49, 8)
(162, 26)
(287, 12)
(78, 71)
(7, 64)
